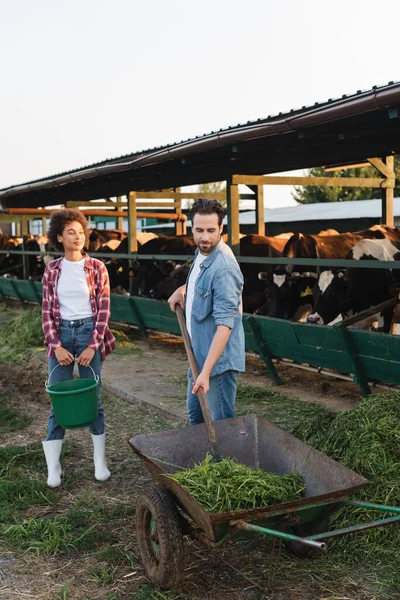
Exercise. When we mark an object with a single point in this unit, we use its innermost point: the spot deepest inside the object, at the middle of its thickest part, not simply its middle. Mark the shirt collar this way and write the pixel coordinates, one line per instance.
(56, 264)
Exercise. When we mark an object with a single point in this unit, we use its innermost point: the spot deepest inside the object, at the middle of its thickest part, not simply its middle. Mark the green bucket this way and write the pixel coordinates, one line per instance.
(74, 401)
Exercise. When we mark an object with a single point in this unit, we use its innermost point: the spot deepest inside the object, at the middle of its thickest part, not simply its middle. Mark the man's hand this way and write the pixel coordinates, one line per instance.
(64, 357)
(85, 358)
(178, 297)
(203, 381)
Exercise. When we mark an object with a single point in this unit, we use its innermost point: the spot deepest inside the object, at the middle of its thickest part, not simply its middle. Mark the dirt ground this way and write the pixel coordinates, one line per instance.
(153, 376)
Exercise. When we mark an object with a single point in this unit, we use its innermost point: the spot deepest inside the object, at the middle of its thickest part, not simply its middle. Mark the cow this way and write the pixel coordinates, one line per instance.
(12, 264)
(287, 296)
(380, 232)
(153, 271)
(97, 237)
(177, 277)
(258, 246)
(289, 290)
(342, 292)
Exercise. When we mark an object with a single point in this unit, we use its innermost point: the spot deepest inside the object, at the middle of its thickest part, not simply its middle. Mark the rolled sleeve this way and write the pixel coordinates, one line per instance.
(227, 298)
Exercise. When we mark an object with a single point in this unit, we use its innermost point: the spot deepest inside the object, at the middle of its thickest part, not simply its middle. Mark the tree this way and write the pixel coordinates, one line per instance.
(309, 195)
(213, 188)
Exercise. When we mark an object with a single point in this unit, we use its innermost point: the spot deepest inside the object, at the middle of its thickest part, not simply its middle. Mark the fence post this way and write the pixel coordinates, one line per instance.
(38, 298)
(16, 291)
(136, 312)
(264, 350)
(361, 376)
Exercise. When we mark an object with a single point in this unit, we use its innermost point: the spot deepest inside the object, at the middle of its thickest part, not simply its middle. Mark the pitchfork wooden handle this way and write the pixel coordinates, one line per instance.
(195, 372)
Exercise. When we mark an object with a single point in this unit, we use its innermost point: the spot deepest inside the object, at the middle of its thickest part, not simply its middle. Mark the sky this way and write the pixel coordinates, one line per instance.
(82, 81)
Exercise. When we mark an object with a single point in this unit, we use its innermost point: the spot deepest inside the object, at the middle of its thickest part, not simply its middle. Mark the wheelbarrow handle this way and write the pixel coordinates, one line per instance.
(195, 372)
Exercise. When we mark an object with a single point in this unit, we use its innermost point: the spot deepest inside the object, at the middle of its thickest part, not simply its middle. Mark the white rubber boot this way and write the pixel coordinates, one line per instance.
(101, 472)
(52, 451)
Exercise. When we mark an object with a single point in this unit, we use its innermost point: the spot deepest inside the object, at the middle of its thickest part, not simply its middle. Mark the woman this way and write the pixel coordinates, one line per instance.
(75, 315)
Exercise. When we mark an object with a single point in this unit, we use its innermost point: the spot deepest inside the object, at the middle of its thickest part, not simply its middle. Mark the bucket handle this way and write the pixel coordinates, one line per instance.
(46, 383)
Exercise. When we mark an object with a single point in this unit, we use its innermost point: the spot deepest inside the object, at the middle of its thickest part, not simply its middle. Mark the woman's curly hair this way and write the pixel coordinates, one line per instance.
(59, 220)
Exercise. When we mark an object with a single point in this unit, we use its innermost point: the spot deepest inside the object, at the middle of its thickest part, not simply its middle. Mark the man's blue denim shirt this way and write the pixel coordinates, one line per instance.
(218, 301)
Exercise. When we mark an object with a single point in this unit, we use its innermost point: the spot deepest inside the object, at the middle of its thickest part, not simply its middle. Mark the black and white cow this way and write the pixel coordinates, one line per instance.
(342, 292)
(288, 295)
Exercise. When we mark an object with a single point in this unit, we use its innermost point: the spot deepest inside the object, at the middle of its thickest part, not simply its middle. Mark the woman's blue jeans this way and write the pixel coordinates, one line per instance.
(221, 398)
(74, 337)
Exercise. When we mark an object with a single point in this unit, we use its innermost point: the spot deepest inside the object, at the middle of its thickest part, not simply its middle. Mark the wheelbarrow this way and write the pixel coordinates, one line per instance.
(166, 512)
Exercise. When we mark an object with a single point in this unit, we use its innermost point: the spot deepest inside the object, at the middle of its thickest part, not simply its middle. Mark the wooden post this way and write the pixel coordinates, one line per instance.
(232, 197)
(259, 198)
(132, 235)
(44, 225)
(388, 195)
(132, 223)
(179, 225)
(25, 258)
(120, 220)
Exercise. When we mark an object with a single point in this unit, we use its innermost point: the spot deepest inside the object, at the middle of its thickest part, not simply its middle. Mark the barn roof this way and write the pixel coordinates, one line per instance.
(337, 131)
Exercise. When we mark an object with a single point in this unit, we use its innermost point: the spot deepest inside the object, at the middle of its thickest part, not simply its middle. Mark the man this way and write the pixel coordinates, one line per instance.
(212, 298)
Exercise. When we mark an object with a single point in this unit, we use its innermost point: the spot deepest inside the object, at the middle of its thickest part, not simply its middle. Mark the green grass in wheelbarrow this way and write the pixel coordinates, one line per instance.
(227, 485)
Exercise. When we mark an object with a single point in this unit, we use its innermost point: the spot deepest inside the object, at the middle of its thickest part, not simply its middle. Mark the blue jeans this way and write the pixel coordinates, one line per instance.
(74, 337)
(221, 398)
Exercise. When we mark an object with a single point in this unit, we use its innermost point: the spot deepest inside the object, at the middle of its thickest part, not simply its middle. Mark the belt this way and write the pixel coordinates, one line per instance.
(76, 323)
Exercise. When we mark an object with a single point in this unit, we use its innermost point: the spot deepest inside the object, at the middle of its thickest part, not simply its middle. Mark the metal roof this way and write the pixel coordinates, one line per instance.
(344, 129)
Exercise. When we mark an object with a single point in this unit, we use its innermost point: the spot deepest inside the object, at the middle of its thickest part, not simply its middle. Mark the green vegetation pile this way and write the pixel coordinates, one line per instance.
(367, 440)
(227, 485)
(19, 334)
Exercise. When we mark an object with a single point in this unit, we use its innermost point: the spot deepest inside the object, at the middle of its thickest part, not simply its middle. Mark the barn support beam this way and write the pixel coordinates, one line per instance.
(132, 235)
(180, 226)
(120, 220)
(388, 195)
(259, 198)
(232, 197)
(371, 182)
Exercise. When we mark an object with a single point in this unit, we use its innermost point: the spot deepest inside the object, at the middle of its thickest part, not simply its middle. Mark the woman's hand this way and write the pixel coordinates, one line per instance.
(64, 357)
(85, 358)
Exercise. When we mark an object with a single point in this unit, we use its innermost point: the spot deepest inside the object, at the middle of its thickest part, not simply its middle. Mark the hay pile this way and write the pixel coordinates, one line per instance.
(367, 440)
(21, 333)
(227, 485)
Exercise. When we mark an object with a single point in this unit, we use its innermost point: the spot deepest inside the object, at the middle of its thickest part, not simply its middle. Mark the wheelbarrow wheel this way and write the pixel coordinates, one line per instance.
(159, 537)
(304, 530)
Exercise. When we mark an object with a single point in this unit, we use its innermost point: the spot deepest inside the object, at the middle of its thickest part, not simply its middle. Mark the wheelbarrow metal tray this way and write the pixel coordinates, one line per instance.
(257, 443)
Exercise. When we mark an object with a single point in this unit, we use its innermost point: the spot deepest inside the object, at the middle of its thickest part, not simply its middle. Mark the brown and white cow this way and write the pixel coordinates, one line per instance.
(342, 292)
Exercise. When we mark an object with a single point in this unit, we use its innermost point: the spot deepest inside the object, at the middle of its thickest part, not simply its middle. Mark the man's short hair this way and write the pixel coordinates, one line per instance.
(203, 206)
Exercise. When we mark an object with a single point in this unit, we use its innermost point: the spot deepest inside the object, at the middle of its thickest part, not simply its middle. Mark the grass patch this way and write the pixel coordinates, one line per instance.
(19, 487)
(20, 334)
(276, 407)
(11, 419)
(147, 592)
(78, 529)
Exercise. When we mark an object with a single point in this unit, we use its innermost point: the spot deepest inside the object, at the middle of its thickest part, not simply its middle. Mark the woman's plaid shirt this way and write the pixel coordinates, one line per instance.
(99, 289)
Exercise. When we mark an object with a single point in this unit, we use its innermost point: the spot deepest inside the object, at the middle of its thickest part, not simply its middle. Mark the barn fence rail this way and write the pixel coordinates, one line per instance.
(364, 357)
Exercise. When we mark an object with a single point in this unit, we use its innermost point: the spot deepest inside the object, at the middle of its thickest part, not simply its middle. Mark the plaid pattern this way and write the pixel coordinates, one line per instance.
(99, 289)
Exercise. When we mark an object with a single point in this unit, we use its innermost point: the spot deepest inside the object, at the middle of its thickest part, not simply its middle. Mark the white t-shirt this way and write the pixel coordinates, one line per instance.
(73, 291)
(190, 289)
